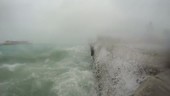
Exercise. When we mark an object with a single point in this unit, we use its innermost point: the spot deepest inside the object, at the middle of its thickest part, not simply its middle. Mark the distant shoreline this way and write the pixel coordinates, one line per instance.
(14, 42)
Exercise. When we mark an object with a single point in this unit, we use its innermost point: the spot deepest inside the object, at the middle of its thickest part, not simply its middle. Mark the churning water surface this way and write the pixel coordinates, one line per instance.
(43, 70)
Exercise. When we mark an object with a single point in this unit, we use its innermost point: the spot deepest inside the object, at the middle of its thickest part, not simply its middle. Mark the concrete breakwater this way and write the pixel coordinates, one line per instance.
(120, 68)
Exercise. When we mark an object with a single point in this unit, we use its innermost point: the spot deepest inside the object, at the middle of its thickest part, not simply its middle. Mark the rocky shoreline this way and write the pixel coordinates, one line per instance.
(120, 68)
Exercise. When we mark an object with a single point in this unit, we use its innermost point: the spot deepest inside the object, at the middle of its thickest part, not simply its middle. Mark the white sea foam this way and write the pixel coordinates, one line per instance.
(76, 48)
(11, 67)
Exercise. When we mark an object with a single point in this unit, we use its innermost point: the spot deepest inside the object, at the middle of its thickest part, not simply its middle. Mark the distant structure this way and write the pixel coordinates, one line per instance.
(8, 42)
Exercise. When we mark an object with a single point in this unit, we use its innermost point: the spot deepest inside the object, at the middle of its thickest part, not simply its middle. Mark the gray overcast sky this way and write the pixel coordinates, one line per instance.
(65, 20)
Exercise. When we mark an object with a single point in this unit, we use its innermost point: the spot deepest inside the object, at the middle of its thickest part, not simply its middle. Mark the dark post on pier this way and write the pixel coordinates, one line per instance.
(92, 51)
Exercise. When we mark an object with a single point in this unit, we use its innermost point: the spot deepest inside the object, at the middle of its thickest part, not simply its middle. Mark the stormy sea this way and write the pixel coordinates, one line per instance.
(45, 70)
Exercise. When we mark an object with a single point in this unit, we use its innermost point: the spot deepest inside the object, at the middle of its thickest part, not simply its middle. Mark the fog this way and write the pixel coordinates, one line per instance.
(75, 21)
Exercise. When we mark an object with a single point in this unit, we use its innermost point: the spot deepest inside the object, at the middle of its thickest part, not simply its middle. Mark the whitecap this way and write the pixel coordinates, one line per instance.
(11, 67)
(76, 48)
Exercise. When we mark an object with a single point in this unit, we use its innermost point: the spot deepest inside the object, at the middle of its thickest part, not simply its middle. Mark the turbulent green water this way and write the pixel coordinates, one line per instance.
(43, 70)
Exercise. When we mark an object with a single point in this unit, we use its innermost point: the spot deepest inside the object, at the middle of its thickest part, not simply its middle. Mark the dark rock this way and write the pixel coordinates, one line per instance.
(155, 86)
